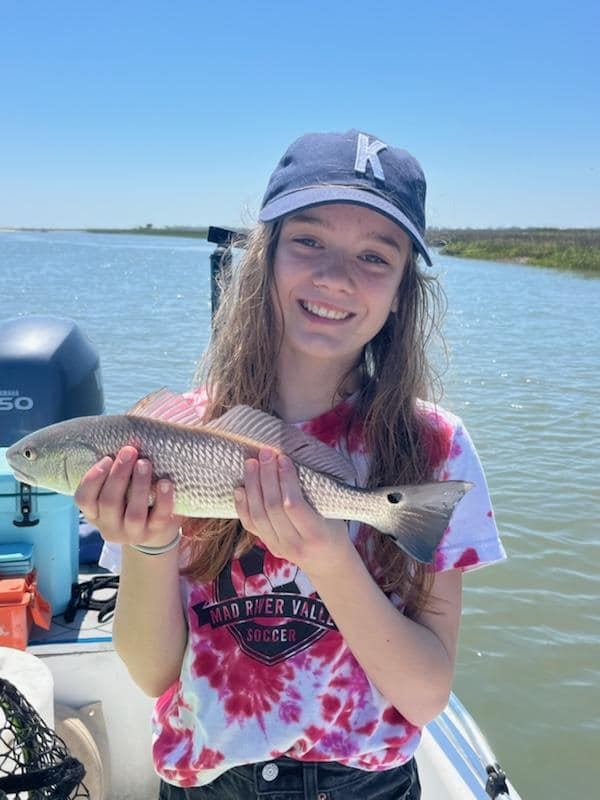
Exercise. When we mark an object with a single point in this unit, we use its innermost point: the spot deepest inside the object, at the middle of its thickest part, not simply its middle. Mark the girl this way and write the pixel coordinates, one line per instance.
(302, 656)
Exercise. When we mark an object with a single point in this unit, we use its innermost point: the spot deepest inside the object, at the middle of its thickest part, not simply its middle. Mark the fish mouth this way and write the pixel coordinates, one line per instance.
(23, 476)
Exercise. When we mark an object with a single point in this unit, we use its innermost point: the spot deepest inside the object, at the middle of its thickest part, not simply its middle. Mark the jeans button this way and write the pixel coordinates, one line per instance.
(270, 772)
(322, 796)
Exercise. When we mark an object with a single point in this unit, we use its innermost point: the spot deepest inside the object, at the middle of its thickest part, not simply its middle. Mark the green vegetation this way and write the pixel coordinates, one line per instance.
(150, 230)
(575, 249)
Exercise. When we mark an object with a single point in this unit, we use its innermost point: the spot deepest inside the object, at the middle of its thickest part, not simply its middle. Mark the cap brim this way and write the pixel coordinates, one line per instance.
(321, 195)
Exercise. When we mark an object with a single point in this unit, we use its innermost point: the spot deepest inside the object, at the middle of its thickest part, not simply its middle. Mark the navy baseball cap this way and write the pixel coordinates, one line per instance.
(352, 167)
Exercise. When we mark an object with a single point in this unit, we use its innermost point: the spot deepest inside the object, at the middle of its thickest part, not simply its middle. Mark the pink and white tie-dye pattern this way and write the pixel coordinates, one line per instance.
(266, 672)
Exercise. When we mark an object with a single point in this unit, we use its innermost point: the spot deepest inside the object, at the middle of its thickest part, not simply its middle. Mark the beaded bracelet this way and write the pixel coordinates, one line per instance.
(157, 551)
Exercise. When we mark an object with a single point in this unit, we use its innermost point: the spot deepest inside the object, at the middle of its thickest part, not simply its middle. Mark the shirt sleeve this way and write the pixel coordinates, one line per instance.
(199, 398)
(110, 557)
(472, 538)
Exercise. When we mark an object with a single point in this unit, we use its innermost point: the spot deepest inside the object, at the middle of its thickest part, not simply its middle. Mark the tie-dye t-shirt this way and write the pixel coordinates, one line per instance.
(266, 672)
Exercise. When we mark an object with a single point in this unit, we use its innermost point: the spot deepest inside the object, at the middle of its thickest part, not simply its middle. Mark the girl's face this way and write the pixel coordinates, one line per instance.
(337, 272)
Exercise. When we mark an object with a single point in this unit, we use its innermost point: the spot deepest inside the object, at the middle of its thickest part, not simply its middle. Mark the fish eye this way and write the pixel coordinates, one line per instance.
(30, 454)
(394, 498)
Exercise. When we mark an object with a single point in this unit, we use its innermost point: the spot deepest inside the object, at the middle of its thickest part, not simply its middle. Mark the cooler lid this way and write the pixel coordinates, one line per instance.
(15, 551)
(16, 558)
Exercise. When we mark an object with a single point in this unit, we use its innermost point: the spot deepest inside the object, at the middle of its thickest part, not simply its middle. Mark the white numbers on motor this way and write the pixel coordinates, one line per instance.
(20, 403)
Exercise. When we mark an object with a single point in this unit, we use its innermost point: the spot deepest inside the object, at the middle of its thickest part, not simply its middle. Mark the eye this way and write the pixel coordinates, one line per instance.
(306, 241)
(30, 454)
(373, 258)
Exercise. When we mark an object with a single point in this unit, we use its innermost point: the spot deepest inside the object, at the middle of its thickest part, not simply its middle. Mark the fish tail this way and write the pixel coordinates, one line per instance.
(417, 517)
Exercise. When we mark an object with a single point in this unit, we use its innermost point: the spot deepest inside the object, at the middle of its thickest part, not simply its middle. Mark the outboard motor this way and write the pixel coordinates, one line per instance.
(49, 372)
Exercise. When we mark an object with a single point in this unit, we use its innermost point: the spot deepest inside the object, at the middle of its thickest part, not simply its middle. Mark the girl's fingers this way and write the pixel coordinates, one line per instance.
(272, 506)
(318, 534)
(112, 499)
(136, 510)
(300, 516)
(115, 495)
(264, 531)
(241, 506)
(273, 494)
(258, 521)
(269, 482)
(162, 519)
(86, 495)
(254, 499)
(289, 538)
(292, 498)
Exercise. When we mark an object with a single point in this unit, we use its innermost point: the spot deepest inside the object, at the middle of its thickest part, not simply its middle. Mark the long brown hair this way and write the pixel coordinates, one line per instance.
(393, 372)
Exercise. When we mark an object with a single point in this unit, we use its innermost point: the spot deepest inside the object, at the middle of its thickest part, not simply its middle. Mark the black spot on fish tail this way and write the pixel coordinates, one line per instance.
(421, 514)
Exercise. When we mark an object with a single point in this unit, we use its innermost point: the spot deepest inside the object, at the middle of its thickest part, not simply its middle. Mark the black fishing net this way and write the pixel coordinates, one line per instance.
(35, 763)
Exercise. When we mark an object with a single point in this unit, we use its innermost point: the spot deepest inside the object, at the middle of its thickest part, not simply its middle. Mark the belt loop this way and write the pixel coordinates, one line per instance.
(309, 776)
(316, 793)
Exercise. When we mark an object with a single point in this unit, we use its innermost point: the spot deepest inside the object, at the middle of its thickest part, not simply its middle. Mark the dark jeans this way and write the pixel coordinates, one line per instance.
(287, 779)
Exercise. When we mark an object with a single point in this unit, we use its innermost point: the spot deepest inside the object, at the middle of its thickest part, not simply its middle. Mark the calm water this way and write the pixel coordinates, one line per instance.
(524, 375)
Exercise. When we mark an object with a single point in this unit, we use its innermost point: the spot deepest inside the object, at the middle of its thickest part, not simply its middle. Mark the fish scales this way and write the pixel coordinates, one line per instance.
(204, 468)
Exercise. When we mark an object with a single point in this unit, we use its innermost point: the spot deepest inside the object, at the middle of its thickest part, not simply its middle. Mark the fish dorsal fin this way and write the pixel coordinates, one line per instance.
(168, 407)
(263, 430)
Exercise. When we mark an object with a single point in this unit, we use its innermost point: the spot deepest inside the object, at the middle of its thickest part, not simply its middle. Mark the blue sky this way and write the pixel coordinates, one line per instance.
(126, 113)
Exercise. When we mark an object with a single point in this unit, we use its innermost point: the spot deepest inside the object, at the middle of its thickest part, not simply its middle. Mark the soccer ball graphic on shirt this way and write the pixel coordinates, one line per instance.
(259, 572)
(290, 580)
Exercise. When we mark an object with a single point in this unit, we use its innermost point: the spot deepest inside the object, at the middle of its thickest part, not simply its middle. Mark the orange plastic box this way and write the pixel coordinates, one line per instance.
(20, 606)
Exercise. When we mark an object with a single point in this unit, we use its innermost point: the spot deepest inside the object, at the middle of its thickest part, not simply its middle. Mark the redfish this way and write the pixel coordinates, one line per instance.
(205, 462)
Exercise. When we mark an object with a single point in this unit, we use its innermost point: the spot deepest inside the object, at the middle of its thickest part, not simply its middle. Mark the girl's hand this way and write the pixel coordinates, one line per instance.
(271, 505)
(121, 513)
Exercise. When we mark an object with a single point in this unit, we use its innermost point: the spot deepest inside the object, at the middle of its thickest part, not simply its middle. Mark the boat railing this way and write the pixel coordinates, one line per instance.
(461, 730)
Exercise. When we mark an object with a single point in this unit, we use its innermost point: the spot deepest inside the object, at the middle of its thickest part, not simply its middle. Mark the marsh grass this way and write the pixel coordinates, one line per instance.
(576, 249)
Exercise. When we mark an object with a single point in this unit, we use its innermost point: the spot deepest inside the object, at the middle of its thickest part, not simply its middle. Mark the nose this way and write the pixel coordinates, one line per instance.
(334, 272)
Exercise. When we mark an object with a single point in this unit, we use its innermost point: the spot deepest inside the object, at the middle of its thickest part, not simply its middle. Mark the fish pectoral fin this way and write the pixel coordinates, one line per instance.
(263, 430)
(168, 407)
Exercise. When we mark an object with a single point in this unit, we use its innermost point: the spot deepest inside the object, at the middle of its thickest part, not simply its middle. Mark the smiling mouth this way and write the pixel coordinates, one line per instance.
(324, 313)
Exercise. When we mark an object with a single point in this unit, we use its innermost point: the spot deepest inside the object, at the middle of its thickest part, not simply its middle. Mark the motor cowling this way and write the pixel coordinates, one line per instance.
(49, 371)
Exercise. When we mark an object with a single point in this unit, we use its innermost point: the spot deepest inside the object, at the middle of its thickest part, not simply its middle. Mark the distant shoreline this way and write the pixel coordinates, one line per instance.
(193, 233)
(573, 249)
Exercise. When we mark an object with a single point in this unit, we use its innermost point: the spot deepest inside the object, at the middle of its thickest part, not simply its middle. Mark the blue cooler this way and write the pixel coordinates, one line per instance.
(49, 371)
